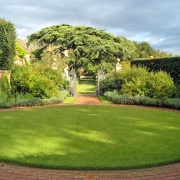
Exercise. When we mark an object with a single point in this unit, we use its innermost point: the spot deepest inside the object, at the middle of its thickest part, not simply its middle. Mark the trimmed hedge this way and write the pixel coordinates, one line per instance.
(34, 101)
(142, 100)
(171, 65)
(38, 102)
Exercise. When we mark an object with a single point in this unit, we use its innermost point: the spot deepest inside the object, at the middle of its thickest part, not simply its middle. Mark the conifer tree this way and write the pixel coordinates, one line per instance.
(7, 44)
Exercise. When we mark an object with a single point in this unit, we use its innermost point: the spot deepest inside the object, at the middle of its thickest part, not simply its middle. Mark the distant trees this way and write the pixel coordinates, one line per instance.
(89, 48)
(7, 45)
(145, 50)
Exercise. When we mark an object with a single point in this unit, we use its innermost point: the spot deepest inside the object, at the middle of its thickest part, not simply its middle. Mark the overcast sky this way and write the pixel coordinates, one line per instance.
(155, 21)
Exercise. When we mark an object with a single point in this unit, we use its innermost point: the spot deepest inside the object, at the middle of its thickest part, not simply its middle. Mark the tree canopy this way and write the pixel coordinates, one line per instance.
(88, 47)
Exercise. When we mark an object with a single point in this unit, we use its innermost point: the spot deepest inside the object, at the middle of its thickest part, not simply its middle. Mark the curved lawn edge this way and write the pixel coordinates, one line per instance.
(88, 168)
(103, 104)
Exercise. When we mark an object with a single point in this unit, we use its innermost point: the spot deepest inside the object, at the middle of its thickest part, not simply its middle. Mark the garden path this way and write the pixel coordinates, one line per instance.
(13, 172)
(87, 99)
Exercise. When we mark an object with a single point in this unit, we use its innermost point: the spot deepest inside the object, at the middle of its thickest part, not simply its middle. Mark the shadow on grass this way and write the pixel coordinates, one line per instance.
(90, 137)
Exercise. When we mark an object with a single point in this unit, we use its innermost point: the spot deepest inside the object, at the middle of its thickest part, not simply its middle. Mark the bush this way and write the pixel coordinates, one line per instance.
(160, 85)
(137, 81)
(142, 100)
(4, 102)
(26, 100)
(113, 81)
(171, 65)
(176, 92)
(20, 50)
(39, 81)
(5, 92)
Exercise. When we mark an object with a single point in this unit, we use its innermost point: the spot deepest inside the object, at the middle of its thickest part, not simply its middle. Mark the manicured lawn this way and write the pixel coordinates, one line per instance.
(104, 100)
(90, 137)
(86, 88)
(69, 100)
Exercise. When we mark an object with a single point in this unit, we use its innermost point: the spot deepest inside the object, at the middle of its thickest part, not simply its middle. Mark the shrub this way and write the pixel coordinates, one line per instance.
(176, 92)
(138, 81)
(135, 81)
(5, 92)
(41, 102)
(142, 100)
(171, 65)
(4, 102)
(159, 85)
(20, 50)
(39, 81)
(113, 81)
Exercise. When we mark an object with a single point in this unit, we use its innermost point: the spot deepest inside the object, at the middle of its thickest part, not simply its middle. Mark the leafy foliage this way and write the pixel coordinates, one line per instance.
(40, 81)
(7, 45)
(171, 65)
(20, 99)
(113, 82)
(138, 81)
(41, 102)
(20, 50)
(48, 57)
(145, 51)
(5, 92)
(87, 46)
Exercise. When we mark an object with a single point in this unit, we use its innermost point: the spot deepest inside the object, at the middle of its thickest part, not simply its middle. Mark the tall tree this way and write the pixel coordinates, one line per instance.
(87, 46)
(145, 49)
(7, 44)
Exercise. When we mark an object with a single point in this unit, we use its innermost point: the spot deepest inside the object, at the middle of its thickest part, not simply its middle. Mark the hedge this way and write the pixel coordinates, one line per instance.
(171, 65)
(142, 100)
(5, 103)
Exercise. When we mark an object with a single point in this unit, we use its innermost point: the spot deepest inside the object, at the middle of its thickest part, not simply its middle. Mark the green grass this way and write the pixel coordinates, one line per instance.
(90, 137)
(69, 100)
(87, 81)
(86, 88)
(104, 100)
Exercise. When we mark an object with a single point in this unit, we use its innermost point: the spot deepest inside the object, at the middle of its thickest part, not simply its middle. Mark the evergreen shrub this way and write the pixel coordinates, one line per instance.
(142, 100)
(7, 44)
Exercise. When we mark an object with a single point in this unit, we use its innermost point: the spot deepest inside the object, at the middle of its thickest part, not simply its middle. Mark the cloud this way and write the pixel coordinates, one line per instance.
(157, 22)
